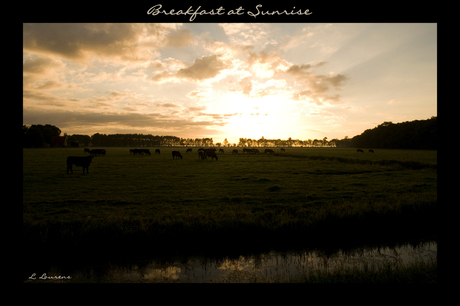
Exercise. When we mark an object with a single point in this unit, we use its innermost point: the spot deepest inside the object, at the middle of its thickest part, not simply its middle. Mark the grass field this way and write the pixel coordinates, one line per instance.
(312, 194)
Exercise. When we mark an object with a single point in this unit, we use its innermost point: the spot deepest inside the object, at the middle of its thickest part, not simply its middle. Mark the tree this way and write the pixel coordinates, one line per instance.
(225, 143)
(38, 135)
(33, 137)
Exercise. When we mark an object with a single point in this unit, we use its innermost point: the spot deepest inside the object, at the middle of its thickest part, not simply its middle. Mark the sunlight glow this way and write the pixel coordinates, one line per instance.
(256, 117)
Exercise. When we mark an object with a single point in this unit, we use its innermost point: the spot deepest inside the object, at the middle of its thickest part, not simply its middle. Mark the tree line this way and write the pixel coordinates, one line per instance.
(418, 134)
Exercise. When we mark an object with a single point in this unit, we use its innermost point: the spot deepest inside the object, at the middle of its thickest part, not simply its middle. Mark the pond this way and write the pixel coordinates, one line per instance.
(269, 267)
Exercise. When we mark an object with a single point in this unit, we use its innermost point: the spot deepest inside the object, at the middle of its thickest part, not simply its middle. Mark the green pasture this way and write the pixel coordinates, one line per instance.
(125, 198)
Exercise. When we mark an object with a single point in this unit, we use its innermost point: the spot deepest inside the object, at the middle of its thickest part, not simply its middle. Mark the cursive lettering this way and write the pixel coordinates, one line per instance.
(193, 13)
(46, 277)
(284, 12)
(156, 10)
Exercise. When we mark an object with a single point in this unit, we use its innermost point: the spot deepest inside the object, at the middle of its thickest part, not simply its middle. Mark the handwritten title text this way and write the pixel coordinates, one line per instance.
(193, 13)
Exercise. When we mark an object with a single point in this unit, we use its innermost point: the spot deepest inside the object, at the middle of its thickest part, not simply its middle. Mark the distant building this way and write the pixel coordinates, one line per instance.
(59, 141)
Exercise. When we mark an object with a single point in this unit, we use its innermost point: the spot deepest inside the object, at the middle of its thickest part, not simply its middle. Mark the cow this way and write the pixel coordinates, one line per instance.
(157, 151)
(97, 152)
(204, 153)
(269, 151)
(201, 155)
(235, 152)
(188, 151)
(359, 150)
(146, 151)
(283, 150)
(135, 151)
(211, 154)
(79, 161)
(221, 150)
(371, 151)
(176, 154)
(86, 150)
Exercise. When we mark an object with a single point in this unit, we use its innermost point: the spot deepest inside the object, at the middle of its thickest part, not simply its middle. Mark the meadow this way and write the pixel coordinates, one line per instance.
(304, 195)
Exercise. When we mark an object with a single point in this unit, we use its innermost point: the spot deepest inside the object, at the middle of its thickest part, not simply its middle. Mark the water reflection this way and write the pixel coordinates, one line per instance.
(269, 267)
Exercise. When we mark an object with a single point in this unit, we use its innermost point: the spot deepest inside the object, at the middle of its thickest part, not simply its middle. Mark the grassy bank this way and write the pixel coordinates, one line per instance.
(303, 195)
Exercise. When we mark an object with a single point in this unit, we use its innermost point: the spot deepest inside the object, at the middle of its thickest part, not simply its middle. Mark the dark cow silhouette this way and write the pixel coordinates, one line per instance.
(201, 155)
(140, 151)
(235, 152)
(157, 151)
(79, 161)
(269, 151)
(251, 151)
(359, 150)
(371, 151)
(98, 152)
(212, 154)
(176, 154)
(283, 150)
(188, 150)
(204, 153)
(87, 150)
(221, 150)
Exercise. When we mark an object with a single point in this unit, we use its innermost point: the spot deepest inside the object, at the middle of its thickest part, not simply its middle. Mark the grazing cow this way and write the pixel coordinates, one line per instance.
(359, 150)
(221, 150)
(204, 153)
(135, 151)
(157, 151)
(188, 151)
(86, 150)
(79, 161)
(235, 152)
(212, 154)
(251, 151)
(146, 151)
(283, 150)
(371, 151)
(176, 154)
(98, 152)
(201, 155)
(269, 151)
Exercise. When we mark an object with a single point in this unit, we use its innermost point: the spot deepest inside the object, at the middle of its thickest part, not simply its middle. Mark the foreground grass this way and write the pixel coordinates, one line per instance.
(384, 273)
(305, 195)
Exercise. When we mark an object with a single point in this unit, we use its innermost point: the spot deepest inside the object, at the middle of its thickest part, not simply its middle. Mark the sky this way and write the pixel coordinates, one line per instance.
(228, 81)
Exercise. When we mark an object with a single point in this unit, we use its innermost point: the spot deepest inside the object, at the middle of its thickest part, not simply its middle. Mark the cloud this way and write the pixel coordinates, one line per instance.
(206, 67)
(69, 119)
(80, 41)
(248, 34)
(42, 72)
(246, 85)
(180, 39)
